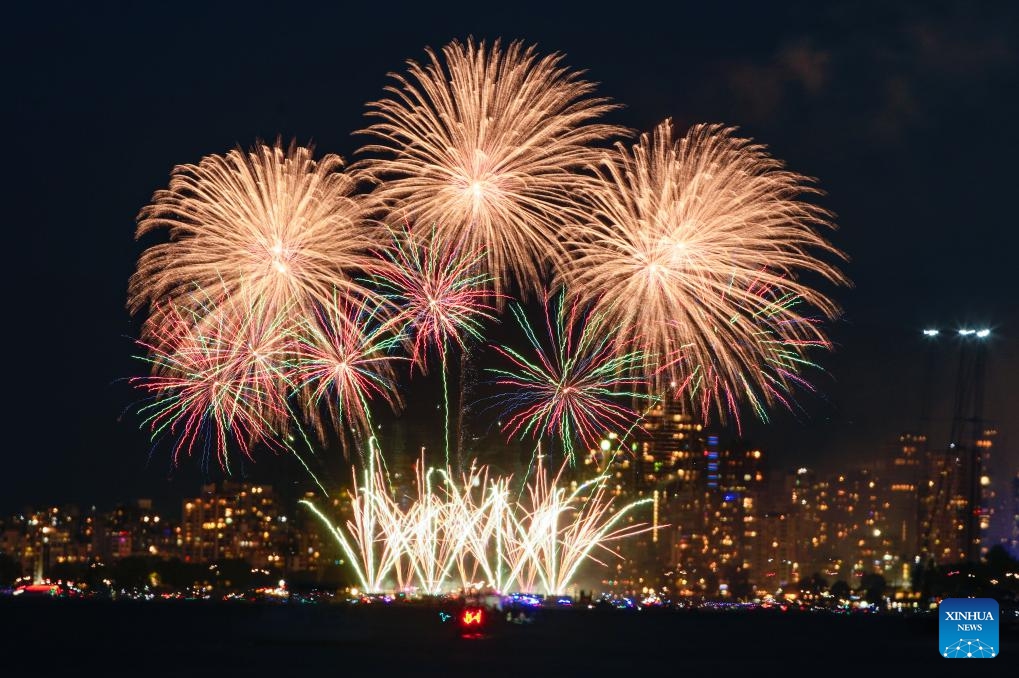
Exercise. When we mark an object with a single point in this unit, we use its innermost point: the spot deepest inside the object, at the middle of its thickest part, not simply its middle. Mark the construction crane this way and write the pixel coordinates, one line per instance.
(954, 496)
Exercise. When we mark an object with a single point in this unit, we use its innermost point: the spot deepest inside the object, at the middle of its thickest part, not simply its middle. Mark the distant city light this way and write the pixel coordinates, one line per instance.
(236, 521)
(966, 333)
(983, 333)
(931, 333)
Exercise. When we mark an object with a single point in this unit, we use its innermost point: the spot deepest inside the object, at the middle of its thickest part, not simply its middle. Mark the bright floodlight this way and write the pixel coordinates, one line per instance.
(983, 333)
(930, 333)
(966, 333)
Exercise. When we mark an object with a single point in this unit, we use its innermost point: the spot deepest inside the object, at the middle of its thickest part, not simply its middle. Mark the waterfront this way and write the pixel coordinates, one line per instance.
(205, 638)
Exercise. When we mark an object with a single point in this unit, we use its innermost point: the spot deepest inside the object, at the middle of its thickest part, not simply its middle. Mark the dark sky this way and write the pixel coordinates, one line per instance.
(905, 112)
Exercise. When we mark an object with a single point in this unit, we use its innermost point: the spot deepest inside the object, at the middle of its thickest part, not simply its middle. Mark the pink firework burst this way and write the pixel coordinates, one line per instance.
(441, 290)
(216, 381)
(343, 358)
(579, 383)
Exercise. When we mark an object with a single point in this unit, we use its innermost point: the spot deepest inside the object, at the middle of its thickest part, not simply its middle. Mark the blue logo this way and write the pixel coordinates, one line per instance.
(968, 628)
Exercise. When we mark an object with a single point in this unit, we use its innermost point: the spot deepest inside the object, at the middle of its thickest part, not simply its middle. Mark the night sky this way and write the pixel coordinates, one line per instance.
(905, 113)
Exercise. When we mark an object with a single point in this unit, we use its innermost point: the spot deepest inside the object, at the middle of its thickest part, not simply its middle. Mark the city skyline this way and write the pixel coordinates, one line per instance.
(710, 509)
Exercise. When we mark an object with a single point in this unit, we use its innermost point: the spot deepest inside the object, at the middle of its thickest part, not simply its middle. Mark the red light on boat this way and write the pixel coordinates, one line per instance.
(471, 617)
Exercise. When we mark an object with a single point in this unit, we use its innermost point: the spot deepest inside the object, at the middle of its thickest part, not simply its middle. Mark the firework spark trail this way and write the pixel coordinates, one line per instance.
(483, 144)
(473, 524)
(358, 540)
(557, 531)
(453, 530)
(342, 358)
(374, 540)
(271, 223)
(682, 237)
(571, 390)
(348, 546)
(441, 293)
(430, 547)
(442, 527)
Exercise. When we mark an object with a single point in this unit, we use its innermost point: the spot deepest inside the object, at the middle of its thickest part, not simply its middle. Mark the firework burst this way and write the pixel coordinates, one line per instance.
(272, 223)
(781, 341)
(216, 381)
(440, 290)
(482, 144)
(343, 358)
(578, 383)
(694, 247)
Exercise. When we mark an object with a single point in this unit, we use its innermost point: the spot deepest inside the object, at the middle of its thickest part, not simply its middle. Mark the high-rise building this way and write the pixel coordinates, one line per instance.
(677, 464)
(130, 529)
(307, 548)
(665, 464)
(938, 536)
(234, 520)
(1014, 541)
(986, 494)
(40, 539)
(901, 480)
(804, 501)
(776, 557)
(875, 540)
(704, 502)
(903, 477)
(718, 529)
(845, 530)
(949, 520)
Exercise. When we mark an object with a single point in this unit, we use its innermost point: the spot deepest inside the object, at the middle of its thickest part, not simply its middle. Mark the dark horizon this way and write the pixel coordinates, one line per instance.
(906, 115)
